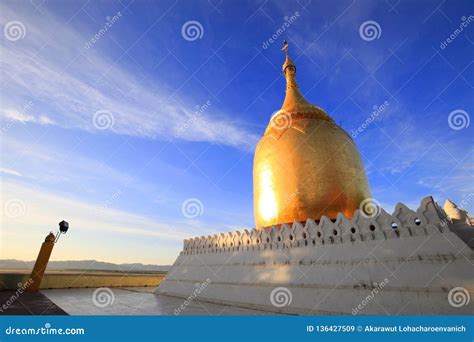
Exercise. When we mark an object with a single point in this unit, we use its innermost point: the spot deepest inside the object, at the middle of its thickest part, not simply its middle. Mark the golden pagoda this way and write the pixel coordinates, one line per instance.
(305, 165)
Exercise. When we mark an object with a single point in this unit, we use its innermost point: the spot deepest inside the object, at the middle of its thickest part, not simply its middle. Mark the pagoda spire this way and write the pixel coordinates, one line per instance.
(294, 100)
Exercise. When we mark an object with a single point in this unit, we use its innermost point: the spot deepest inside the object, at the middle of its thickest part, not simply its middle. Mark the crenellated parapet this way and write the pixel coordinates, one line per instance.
(332, 266)
(429, 218)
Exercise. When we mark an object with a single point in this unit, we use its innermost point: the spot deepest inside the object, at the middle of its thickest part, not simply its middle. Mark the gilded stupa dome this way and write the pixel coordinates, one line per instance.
(305, 165)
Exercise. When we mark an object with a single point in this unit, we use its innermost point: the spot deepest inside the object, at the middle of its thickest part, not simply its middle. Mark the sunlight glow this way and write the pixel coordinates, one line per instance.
(267, 201)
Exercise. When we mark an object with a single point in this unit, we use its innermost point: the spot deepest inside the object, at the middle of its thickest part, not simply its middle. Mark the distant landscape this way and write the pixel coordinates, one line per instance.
(84, 265)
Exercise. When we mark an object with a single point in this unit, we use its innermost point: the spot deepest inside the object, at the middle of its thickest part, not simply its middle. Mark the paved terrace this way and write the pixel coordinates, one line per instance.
(113, 301)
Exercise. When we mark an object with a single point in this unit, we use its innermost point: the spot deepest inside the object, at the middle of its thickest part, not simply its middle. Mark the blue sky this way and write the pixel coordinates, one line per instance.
(115, 133)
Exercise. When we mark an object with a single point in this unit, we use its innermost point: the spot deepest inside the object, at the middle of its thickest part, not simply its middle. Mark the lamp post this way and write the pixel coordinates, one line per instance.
(43, 257)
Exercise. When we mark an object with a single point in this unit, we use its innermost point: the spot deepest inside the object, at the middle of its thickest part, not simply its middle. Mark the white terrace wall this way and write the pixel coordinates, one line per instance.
(332, 267)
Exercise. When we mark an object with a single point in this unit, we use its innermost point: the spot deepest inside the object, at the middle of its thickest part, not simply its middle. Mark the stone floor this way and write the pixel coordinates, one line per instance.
(135, 301)
(12, 303)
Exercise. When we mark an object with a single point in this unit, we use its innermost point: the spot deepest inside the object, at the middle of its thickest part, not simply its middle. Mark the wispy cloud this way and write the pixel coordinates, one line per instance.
(71, 84)
(15, 115)
(41, 204)
(10, 172)
(40, 208)
(48, 165)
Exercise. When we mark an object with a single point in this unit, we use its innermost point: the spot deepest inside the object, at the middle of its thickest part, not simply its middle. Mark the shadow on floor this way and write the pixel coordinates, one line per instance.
(36, 303)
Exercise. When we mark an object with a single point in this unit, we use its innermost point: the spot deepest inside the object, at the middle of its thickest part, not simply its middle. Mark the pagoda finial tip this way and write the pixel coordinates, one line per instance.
(288, 62)
(285, 47)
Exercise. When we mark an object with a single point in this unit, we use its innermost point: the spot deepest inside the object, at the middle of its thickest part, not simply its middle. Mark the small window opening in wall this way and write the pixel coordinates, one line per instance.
(291, 237)
(279, 239)
(394, 225)
(319, 234)
(314, 242)
(258, 240)
(417, 221)
(248, 242)
(268, 239)
(334, 232)
(231, 244)
(353, 230)
(372, 227)
(304, 235)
